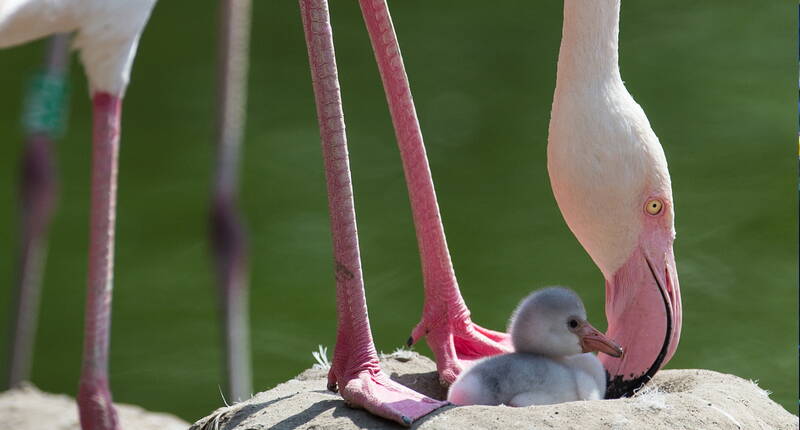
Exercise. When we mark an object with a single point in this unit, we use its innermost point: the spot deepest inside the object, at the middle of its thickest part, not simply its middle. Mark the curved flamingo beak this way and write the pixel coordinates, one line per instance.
(592, 340)
(643, 308)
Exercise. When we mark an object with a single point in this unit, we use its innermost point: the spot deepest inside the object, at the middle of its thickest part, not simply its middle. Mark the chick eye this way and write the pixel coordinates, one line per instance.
(654, 207)
(572, 323)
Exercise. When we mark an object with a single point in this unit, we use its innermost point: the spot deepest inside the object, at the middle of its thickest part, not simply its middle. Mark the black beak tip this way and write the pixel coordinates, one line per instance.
(617, 387)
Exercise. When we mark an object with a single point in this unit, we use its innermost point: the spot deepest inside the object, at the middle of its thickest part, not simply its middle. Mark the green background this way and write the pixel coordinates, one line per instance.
(716, 78)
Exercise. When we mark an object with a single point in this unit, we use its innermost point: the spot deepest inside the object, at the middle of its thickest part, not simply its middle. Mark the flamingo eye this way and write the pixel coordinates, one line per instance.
(654, 206)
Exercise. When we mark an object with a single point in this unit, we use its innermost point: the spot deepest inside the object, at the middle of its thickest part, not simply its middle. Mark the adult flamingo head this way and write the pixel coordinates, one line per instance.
(618, 203)
(610, 179)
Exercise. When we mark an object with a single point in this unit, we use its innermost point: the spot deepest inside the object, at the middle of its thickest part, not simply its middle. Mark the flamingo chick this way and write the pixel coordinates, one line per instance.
(552, 363)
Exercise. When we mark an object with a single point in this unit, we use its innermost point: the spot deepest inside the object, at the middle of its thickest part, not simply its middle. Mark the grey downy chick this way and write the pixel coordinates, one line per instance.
(553, 362)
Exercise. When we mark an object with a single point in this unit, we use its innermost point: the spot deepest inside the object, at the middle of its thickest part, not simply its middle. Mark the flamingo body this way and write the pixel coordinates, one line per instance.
(107, 33)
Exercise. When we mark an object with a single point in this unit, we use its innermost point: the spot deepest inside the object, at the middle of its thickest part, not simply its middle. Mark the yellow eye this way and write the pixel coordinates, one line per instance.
(654, 207)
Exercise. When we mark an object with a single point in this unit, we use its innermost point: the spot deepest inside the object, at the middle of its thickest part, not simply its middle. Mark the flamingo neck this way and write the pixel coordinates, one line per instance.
(589, 42)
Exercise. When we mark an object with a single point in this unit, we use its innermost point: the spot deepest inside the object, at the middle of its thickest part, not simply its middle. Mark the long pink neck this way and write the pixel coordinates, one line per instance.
(354, 342)
(437, 268)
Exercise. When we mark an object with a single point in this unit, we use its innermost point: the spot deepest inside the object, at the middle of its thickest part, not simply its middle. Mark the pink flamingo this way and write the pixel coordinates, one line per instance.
(643, 296)
(610, 178)
(108, 33)
(355, 371)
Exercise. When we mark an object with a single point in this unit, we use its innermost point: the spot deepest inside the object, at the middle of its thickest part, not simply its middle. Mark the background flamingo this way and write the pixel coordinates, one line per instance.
(44, 118)
(107, 36)
(228, 233)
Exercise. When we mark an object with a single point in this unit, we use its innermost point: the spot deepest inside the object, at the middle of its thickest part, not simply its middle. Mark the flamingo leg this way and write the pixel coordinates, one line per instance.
(228, 235)
(355, 371)
(451, 334)
(94, 398)
(43, 119)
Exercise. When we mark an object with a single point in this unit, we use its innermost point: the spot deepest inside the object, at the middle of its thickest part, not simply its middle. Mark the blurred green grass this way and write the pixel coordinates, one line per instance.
(717, 79)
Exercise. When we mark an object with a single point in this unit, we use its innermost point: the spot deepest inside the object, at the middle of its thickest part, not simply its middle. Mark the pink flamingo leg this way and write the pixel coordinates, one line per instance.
(94, 398)
(446, 322)
(228, 234)
(43, 118)
(356, 370)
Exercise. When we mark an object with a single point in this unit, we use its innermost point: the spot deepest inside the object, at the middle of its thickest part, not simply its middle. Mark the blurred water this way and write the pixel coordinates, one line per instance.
(717, 79)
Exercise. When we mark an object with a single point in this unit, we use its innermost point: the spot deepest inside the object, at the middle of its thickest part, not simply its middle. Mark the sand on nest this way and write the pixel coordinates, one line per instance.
(28, 408)
(675, 399)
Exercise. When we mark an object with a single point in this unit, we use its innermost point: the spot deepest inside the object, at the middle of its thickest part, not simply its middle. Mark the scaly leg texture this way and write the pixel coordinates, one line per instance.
(356, 371)
(446, 322)
(94, 398)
